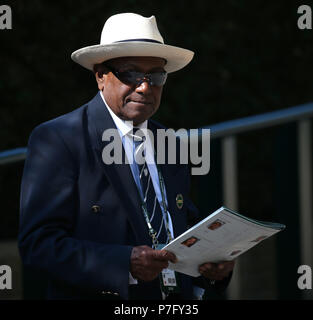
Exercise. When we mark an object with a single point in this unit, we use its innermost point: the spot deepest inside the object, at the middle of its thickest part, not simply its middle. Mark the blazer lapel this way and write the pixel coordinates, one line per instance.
(119, 175)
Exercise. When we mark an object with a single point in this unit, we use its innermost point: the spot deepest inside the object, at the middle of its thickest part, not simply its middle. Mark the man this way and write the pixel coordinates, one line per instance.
(87, 224)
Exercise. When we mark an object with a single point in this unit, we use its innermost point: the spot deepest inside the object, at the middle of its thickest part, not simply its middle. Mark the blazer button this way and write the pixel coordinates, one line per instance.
(95, 209)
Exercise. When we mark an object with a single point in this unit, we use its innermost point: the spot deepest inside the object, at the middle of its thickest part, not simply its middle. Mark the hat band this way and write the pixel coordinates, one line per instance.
(143, 40)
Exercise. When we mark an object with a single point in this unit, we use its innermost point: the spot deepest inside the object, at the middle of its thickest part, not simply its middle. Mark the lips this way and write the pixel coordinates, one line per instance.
(138, 101)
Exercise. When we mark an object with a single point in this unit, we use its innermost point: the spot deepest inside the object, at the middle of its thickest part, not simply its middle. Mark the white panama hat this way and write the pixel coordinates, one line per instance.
(130, 34)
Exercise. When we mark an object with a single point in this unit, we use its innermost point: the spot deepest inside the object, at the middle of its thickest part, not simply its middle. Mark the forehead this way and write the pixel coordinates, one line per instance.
(140, 63)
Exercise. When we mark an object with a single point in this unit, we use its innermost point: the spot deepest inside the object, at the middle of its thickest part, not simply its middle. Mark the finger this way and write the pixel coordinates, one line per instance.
(207, 266)
(164, 255)
(229, 263)
(207, 273)
(170, 256)
(227, 266)
(223, 270)
(212, 269)
(208, 269)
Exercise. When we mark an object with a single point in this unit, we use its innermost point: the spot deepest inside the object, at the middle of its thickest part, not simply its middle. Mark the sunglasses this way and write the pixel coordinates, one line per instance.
(135, 77)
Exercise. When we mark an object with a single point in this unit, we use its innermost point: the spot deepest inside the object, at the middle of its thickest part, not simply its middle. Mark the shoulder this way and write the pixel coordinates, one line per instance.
(57, 141)
(69, 126)
(61, 135)
(65, 122)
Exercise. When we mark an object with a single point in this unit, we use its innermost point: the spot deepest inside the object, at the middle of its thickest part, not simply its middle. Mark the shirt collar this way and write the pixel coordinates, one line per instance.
(124, 126)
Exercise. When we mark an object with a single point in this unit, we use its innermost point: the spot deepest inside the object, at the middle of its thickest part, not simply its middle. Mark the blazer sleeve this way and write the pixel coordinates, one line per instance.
(48, 207)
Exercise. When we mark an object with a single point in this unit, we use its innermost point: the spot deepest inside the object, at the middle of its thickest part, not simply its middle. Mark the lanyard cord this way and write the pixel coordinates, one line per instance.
(152, 232)
(164, 211)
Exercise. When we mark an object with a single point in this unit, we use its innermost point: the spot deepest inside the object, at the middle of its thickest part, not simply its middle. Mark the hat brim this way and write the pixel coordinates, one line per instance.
(177, 58)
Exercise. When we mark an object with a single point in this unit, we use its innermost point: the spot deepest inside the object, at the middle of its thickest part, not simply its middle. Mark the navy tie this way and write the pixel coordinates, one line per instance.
(148, 193)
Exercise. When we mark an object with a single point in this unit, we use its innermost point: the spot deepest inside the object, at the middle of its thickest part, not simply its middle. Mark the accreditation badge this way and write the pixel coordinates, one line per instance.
(168, 279)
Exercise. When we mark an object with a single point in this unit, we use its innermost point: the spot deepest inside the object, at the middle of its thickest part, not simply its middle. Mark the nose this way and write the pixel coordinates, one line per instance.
(144, 87)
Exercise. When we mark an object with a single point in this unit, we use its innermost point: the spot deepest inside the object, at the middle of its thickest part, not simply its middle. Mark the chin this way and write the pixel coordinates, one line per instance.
(140, 118)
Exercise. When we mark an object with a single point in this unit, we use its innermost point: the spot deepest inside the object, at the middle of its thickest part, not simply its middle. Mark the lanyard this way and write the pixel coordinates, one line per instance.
(152, 232)
(164, 211)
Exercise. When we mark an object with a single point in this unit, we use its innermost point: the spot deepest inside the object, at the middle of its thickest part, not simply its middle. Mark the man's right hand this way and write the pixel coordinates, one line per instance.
(146, 263)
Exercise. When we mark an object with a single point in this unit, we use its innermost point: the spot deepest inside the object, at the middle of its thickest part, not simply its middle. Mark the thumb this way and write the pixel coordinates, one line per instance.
(166, 256)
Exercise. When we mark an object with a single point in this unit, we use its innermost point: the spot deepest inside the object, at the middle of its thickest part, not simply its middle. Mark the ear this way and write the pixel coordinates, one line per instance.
(100, 78)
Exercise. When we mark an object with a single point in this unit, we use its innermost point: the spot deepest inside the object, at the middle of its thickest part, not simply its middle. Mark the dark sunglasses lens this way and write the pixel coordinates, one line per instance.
(134, 77)
(129, 77)
(158, 78)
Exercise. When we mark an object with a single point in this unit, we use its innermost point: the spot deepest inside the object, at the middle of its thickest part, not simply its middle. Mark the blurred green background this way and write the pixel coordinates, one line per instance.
(250, 58)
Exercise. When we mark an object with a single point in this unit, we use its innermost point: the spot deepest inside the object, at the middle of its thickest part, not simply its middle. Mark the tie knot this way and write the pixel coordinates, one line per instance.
(139, 139)
(138, 136)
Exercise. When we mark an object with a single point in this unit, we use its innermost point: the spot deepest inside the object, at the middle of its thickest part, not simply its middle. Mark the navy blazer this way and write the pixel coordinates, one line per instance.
(86, 252)
(83, 251)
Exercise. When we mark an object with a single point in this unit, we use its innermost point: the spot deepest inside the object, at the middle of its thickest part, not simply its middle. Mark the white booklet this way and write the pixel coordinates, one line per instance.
(221, 236)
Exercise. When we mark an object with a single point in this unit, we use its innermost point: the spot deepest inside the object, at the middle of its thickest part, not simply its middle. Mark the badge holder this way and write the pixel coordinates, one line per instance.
(168, 279)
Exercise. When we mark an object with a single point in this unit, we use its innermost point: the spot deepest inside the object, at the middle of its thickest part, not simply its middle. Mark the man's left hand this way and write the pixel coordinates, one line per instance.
(216, 271)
